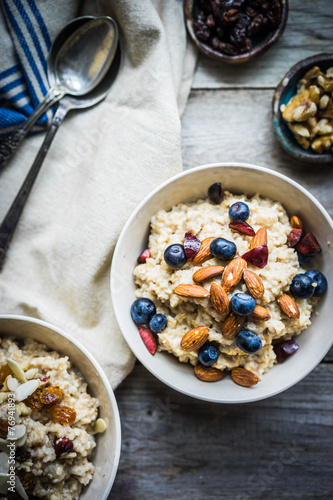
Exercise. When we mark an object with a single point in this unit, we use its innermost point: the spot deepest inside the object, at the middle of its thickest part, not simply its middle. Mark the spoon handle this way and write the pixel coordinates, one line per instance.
(11, 219)
(10, 144)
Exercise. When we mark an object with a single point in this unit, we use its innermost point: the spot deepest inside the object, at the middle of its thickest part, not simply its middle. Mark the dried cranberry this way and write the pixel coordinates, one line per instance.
(241, 227)
(144, 256)
(215, 193)
(192, 245)
(285, 349)
(148, 339)
(22, 454)
(294, 237)
(63, 445)
(258, 256)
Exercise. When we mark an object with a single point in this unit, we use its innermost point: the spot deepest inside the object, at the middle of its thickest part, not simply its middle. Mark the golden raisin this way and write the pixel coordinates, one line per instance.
(33, 401)
(4, 372)
(50, 395)
(28, 480)
(63, 414)
(3, 428)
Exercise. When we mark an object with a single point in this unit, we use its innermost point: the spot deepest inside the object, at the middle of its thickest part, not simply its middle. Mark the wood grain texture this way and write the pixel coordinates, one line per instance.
(175, 447)
(309, 31)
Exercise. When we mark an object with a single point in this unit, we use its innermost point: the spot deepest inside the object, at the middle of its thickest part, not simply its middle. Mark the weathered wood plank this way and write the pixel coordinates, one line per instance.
(309, 31)
(236, 125)
(178, 447)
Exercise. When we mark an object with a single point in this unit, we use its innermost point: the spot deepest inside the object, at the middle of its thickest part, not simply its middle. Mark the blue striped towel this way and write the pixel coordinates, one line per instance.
(26, 30)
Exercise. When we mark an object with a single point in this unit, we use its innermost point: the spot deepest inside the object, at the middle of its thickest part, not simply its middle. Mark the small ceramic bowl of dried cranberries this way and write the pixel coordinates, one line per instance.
(235, 31)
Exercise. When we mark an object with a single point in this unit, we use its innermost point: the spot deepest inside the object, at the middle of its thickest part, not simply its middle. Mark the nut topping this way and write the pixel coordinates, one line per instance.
(288, 306)
(244, 377)
(260, 313)
(208, 374)
(260, 238)
(207, 272)
(233, 273)
(194, 291)
(232, 325)
(254, 284)
(194, 338)
(219, 299)
(204, 252)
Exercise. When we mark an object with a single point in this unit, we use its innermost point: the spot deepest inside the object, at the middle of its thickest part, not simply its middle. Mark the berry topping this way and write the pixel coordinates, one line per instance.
(142, 310)
(285, 349)
(144, 256)
(301, 286)
(294, 237)
(63, 445)
(319, 282)
(258, 256)
(248, 341)
(175, 256)
(239, 211)
(158, 323)
(208, 354)
(192, 245)
(241, 227)
(215, 193)
(148, 339)
(308, 245)
(242, 304)
(223, 249)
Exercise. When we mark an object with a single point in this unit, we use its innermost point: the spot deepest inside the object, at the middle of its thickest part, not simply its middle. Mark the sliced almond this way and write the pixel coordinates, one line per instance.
(289, 306)
(12, 383)
(25, 390)
(219, 299)
(16, 432)
(296, 222)
(261, 313)
(16, 369)
(4, 463)
(207, 272)
(260, 238)
(254, 284)
(232, 325)
(208, 374)
(4, 445)
(204, 252)
(233, 273)
(21, 442)
(19, 488)
(3, 397)
(31, 373)
(194, 338)
(244, 377)
(194, 291)
(100, 426)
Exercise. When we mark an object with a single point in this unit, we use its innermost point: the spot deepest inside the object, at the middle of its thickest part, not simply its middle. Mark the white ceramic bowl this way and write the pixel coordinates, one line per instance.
(107, 452)
(314, 342)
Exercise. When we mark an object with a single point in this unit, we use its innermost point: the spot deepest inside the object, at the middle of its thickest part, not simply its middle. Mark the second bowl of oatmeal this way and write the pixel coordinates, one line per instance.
(175, 285)
(65, 413)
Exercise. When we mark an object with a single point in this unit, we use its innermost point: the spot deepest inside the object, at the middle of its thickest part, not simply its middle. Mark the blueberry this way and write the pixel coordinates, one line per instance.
(318, 279)
(175, 256)
(142, 310)
(223, 249)
(208, 354)
(248, 341)
(301, 286)
(158, 323)
(242, 304)
(239, 210)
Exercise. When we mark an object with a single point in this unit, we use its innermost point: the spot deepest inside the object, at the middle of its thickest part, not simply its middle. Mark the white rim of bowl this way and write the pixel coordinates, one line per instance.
(103, 377)
(117, 250)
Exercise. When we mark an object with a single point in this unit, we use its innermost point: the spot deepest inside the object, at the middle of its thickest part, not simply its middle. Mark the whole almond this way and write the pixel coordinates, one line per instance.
(233, 273)
(189, 290)
(244, 377)
(232, 325)
(254, 284)
(219, 299)
(261, 313)
(207, 272)
(194, 339)
(204, 252)
(289, 306)
(208, 374)
(260, 238)
(296, 222)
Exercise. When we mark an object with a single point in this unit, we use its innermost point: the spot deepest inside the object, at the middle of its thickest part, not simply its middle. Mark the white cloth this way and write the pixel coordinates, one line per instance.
(102, 162)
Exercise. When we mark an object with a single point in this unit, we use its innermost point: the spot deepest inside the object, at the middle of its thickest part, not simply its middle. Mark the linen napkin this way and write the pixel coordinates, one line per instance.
(102, 162)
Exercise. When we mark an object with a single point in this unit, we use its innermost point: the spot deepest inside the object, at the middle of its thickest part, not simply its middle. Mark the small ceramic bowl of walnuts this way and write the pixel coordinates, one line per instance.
(303, 110)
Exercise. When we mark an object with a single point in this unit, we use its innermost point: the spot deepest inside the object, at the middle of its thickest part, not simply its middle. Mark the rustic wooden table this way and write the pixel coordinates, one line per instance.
(175, 447)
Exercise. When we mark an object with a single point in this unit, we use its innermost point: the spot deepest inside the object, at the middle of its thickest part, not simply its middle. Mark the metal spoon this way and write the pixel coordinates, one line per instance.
(81, 62)
(68, 103)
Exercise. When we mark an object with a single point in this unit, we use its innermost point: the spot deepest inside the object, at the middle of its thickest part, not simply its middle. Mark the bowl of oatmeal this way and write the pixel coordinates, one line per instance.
(59, 421)
(188, 309)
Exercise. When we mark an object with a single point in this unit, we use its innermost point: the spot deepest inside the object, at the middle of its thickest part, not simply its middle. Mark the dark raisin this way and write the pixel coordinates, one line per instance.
(22, 454)
(215, 193)
(63, 445)
(28, 480)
